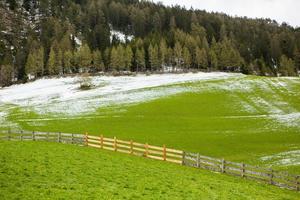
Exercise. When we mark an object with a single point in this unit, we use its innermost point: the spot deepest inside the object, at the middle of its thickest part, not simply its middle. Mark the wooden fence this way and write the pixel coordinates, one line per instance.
(269, 176)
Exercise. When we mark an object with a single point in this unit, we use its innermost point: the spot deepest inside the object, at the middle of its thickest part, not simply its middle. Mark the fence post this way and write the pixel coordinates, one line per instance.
(59, 137)
(243, 170)
(33, 136)
(101, 141)
(131, 147)
(271, 176)
(223, 166)
(21, 135)
(198, 160)
(47, 139)
(298, 183)
(8, 134)
(183, 158)
(115, 143)
(86, 139)
(164, 153)
(146, 150)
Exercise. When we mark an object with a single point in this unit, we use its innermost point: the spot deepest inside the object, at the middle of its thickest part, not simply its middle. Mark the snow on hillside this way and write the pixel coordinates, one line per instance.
(120, 35)
(62, 95)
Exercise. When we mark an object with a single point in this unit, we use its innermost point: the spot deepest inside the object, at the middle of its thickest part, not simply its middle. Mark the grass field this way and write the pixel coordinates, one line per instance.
(38, 170)
(240, 118)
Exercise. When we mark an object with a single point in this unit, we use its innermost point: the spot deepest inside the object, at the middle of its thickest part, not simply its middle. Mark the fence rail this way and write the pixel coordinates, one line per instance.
(269, 176)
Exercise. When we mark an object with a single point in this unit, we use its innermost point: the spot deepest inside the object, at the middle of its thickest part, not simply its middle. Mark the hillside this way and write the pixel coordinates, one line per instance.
(39, 37)
(38, 170)
(240, 118)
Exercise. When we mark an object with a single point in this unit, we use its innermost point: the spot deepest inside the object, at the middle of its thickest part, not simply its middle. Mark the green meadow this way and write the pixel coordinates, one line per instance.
(247, 119)
(40, 170)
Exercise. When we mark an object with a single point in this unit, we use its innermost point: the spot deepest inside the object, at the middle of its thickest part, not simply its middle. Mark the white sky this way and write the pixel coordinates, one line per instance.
(280, 10)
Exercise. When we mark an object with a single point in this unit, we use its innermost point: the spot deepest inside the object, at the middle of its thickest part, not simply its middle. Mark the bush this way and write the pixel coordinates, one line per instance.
(85, 82)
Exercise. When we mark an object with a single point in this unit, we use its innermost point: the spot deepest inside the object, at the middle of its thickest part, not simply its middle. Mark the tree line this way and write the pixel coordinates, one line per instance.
(41, 37)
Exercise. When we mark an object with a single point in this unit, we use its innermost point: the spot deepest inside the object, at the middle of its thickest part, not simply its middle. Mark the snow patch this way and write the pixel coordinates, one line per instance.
(120, 35)
(62, 95)
(288, 158)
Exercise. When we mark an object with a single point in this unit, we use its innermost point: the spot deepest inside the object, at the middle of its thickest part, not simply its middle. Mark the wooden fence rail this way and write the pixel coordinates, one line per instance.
(269, 176)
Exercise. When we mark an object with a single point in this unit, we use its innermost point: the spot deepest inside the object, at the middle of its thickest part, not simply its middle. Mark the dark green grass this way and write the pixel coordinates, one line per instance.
(38, 170)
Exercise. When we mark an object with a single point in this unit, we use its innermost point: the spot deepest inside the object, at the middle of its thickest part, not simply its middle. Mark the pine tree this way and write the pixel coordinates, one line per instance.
(187, 59)
(30, 67)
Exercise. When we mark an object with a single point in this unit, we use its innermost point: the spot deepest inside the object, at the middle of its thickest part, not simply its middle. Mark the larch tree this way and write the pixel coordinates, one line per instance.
(98, 61)
(140, 59)
(163, 51)
(114, 59)
(178, 54)
(153, 57)
(201, 58)
(67, 62)
(187, 58)
(287, 66)
(128, 57)
(84, 57)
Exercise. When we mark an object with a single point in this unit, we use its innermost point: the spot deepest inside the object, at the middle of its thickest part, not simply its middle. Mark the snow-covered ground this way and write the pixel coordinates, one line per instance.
(62, 95)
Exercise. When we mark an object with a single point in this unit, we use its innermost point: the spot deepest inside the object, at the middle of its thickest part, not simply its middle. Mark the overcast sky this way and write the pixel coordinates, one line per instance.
(280, 10)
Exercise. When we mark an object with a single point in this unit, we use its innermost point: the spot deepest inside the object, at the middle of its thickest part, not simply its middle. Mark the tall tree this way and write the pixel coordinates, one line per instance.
(153, 57)
(201, 58)
(178, 54)
(187, 59)
(140, 59)
(287, 66)
(128, 57)
(98, 61)
(84, 57)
